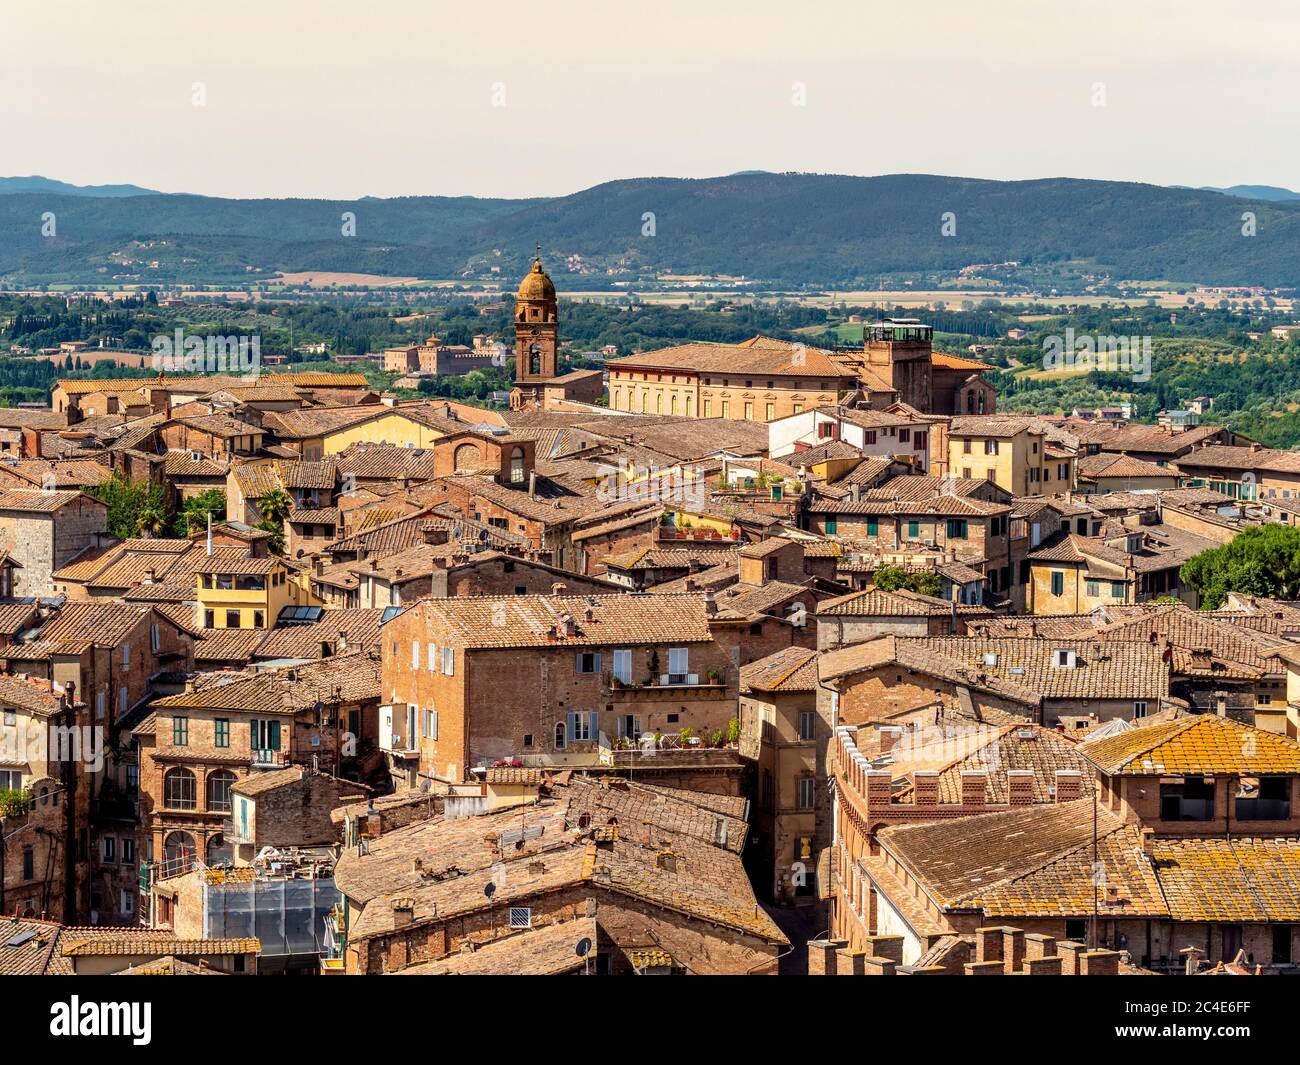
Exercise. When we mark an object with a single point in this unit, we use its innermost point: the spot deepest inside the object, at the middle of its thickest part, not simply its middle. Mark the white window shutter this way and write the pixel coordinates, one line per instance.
(415, 654)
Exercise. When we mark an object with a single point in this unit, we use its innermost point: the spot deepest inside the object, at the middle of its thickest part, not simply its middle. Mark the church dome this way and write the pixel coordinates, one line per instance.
(536, 285)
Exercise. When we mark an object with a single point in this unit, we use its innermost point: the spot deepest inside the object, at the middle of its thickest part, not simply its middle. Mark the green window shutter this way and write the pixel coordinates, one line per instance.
(275, 735)
(873, 527)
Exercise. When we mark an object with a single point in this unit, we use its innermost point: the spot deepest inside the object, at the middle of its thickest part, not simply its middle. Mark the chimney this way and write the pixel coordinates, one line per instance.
(570, 626)
(532, 484)
(690, 584)
(343, 640)
(151, 576)
(1020, 787)
(666, 860)
(974, 787)
(403, 912)
(1069, 785)
(1149, 842)
(925, 787)
(710, 604)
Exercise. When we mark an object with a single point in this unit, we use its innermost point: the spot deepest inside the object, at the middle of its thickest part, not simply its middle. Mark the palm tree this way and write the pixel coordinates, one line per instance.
(275, 505)
(150, 522)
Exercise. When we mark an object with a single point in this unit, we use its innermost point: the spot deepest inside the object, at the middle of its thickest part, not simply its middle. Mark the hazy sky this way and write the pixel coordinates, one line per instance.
(398, 97)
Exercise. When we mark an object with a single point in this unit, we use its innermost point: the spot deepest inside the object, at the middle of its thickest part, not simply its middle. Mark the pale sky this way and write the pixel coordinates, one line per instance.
(397, 97)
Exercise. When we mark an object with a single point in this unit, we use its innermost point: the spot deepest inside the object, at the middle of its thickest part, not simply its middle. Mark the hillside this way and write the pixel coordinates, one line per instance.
(785, 228)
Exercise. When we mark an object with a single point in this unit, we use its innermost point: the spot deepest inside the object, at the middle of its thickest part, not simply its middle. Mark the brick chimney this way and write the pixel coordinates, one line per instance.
(1020, 787)
(1069, 785)
(889, 737)
(974, 787)
(879, 787)
(403, 912)
(925, 787)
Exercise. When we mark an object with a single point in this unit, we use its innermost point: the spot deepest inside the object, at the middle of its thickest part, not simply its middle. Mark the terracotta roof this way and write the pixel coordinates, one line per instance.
(290, 689)
(30, 694)
(758, 355)
(1203, 744)
(872, 602)
(792, 669)
(529, 620)
(1249, 880)
(37, 501)
(546, 951)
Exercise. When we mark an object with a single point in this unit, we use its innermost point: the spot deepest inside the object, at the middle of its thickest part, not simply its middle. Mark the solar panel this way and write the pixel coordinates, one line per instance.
(21, 938)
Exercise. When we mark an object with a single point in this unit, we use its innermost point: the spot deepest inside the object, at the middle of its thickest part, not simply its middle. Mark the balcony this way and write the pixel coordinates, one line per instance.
(267, 759)
(667, 686)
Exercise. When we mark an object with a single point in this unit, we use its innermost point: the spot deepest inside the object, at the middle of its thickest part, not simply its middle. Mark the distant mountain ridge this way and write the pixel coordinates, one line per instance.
(35, 183)
(789, 229)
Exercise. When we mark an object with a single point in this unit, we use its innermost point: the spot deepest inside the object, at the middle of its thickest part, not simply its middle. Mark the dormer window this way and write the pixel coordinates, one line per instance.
(1064, 658)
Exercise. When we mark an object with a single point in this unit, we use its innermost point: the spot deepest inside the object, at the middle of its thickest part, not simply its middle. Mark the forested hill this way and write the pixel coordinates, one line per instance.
(787, 228)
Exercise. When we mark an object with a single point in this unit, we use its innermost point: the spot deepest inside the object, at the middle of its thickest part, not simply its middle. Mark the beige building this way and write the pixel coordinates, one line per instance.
(1013, 453)
(759, 380)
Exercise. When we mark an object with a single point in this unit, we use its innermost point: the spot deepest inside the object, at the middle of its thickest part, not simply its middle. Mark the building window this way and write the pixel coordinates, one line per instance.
(560, 736)
(449, 661)
(128, 851)
(678, 665)
(873, 526)
(521, 917)
(956, 528)
(1117, 589)
(108, 848)
(1192, 800)
(209, 619)
(588, 662)
(1139, 709)
(517, 466)
(1264, 799)
(29, 864)
(259, 619)
(990, 447)
(179, 792)
(180, 732)
(831, 526)
(807, 725)
(265, 735)
(221, 732)
(623, 666)
(11, 717)
(1094, 588)
(219, 784)
(1058, 582)
(807, 793)
(232, 619)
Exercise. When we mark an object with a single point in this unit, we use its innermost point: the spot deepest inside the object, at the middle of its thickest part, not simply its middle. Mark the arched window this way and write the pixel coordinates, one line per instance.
(219, 850)
(559, 735)
(179, 850)
(178, 790)
(465, 457)
(970, 402)
(535, 359)
(219, 790)
(517, 466)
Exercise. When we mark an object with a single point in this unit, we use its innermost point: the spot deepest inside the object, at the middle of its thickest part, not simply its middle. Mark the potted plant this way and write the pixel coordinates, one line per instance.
(715, 740)
(713, 676)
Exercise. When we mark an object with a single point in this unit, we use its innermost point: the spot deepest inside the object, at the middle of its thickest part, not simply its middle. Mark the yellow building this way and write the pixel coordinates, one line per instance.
(245, 593)
(759, 380)
(1011, 452)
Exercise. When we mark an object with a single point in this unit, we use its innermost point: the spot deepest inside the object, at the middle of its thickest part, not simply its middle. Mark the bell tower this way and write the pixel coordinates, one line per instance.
(536, 338)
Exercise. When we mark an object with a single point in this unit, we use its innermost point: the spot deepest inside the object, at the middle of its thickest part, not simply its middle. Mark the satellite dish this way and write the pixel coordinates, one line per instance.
(489, 889)
(583, 948)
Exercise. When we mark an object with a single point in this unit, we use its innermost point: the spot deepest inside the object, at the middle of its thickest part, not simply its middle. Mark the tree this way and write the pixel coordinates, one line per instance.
(274, 508)
(133, 506)
(193, 515)
(150, 521)
(891, 578)
(1263, 561)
